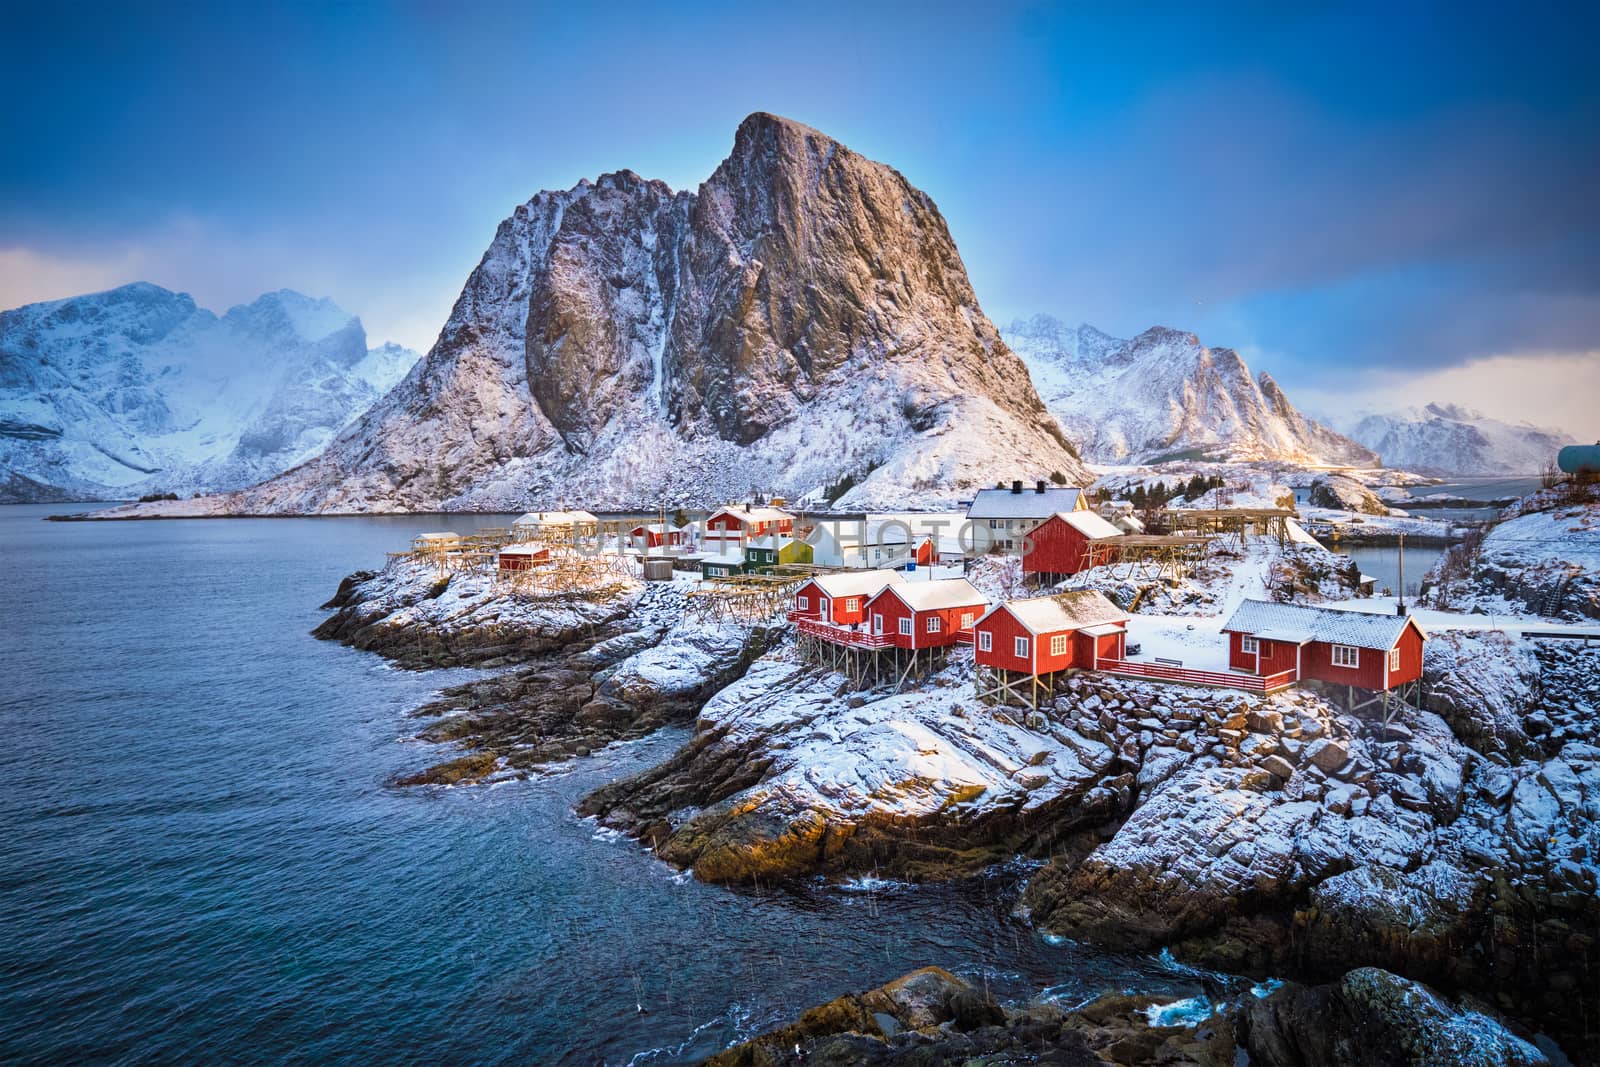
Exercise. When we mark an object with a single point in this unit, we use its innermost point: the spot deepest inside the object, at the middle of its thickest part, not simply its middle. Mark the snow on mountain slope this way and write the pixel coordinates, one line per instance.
(1165, 395)
(138, 390)
(1450, 439)
(801, 324)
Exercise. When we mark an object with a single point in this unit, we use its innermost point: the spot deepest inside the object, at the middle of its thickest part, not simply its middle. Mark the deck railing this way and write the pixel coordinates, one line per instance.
(839, 635)
(1253, 683)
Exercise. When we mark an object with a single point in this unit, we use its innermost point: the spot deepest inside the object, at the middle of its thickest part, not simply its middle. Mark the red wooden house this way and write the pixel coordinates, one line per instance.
(840, 599)
(731, 526)
(523, 557)
(917, 615)
(1046, 634)
(1066, 543)
(655, 535)
(1355, 648)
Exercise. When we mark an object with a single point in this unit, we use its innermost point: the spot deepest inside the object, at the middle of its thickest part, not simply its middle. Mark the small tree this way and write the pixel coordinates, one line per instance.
(1058, 478)
(680, 518)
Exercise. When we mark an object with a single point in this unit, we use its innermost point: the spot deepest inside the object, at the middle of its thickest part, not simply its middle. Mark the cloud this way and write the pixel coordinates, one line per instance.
(1557, 390)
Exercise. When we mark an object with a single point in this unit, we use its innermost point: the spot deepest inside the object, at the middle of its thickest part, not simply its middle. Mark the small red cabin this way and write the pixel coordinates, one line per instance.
(1363, 649)
(656, 534)
(925, 614)
(523, 557)
(735, 523)
(1062, 544)
(840, 599)
(1046, 634)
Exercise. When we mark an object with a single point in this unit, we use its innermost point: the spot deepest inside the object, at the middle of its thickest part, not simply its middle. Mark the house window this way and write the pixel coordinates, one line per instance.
(934, 623)
(852, 603)
(803, 603)
(985, 641)
(1022, 647)
(1058, 644)
(1247, 645)
(905, 626)
(1394, 659)
(966, 620)
(1346, 656)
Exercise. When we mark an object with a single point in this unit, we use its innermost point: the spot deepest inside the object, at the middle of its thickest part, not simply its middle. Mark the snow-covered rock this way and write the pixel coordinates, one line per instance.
(800, 324)
(1164, 395)
(1345, 494)
(1454, 440)
(136, 390)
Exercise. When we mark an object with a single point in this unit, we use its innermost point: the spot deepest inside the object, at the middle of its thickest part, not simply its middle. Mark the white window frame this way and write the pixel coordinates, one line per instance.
(1394, 659)
(935, 624)
(852, 603)
(877, 622)
(1019, 646)
(966, 620)
(1058, 644)
(802, 602)
(1345, 656)
(905, 626)
(985, 641)
(1248, 644)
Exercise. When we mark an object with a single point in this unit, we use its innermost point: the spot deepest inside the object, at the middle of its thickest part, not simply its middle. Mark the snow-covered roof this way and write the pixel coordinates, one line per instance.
(444, 536)
(525, 548)
(1299, 622)
(769, 541)
(1069, 611)
(658, 527)
(856, 583)
(747, 515)
(1130, 523)
(1088, 523)
(940, 593)
(1028, 504)
(557, 518)
(1104, 628)
(733, 558)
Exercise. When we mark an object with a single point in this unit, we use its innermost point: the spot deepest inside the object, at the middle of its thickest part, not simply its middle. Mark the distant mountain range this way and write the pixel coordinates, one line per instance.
(137, 390)
(1165, 396)
(800, 324)
(1450, 439)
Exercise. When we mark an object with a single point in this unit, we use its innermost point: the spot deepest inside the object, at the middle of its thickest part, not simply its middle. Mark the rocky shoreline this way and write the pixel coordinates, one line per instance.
(1279, 836)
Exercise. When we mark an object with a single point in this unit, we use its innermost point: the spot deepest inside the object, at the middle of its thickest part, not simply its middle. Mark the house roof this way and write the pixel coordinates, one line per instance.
(1336, 626)
(1076, 610)
(745, 515)
(525, 548)
(856, 583)
(658, 527)
(772, 540)
(939, 593)
(732, 558)
(1028, 504)
(1088, 523)
(556, 518)
(445, 536)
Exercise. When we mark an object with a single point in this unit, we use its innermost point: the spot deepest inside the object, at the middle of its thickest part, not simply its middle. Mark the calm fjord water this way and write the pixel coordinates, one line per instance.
(201, 861)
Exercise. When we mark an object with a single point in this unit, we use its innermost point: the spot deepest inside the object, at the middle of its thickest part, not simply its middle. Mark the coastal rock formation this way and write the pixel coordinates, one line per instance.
(1544, 559)
(1449, 439)
(931, 1017)
(802, 324)
(1345, 494)
(1164, 396)
(136, 390)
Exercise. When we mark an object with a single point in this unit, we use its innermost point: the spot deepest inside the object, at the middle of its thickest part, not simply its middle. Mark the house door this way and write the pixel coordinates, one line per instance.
(877, 622)
(827, 612)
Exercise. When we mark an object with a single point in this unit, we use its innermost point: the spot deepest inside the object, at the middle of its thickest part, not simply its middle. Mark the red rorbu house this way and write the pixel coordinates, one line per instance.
(839, 600)
(523, 557)
(1066, 543)
(918, 615)
(1294, 642)
(730, 527)
(1038, 637)
(655, 535)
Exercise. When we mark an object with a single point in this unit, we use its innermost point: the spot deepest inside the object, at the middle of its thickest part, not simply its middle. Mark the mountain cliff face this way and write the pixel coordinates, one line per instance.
(801, 324)
(1450, 439)
(1164, 395)
(137, 390)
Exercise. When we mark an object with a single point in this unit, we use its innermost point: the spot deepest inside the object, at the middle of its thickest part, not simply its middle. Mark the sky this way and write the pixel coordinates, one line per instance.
(1377, 204)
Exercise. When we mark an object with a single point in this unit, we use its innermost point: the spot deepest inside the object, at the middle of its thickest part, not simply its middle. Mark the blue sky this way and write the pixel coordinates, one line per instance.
(1369, 202)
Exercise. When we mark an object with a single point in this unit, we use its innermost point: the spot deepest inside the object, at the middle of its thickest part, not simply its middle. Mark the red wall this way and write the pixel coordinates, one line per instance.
(1006, 629)
(724, 521)
(1317, 662)
(836, 606)
(522, 562)
(1054, 547)
(1410, 645)
(893, 609)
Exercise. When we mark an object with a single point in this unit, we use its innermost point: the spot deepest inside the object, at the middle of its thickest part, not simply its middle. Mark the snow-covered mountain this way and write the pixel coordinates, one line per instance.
(137, 390)
(1450, 439)
(800, 324)
(1164, 395)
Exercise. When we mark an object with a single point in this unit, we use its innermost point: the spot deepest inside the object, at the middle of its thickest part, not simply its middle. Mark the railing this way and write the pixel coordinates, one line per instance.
(1253, 683)
(839, 635)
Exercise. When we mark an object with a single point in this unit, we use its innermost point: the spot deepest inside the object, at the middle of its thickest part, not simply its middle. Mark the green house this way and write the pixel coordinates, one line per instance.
(724, 565)
(763, 554)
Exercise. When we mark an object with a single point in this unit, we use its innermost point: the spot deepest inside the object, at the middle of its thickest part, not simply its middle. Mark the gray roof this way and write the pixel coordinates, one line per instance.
(1079, 609)
(1028, 504)
(1334, 626)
